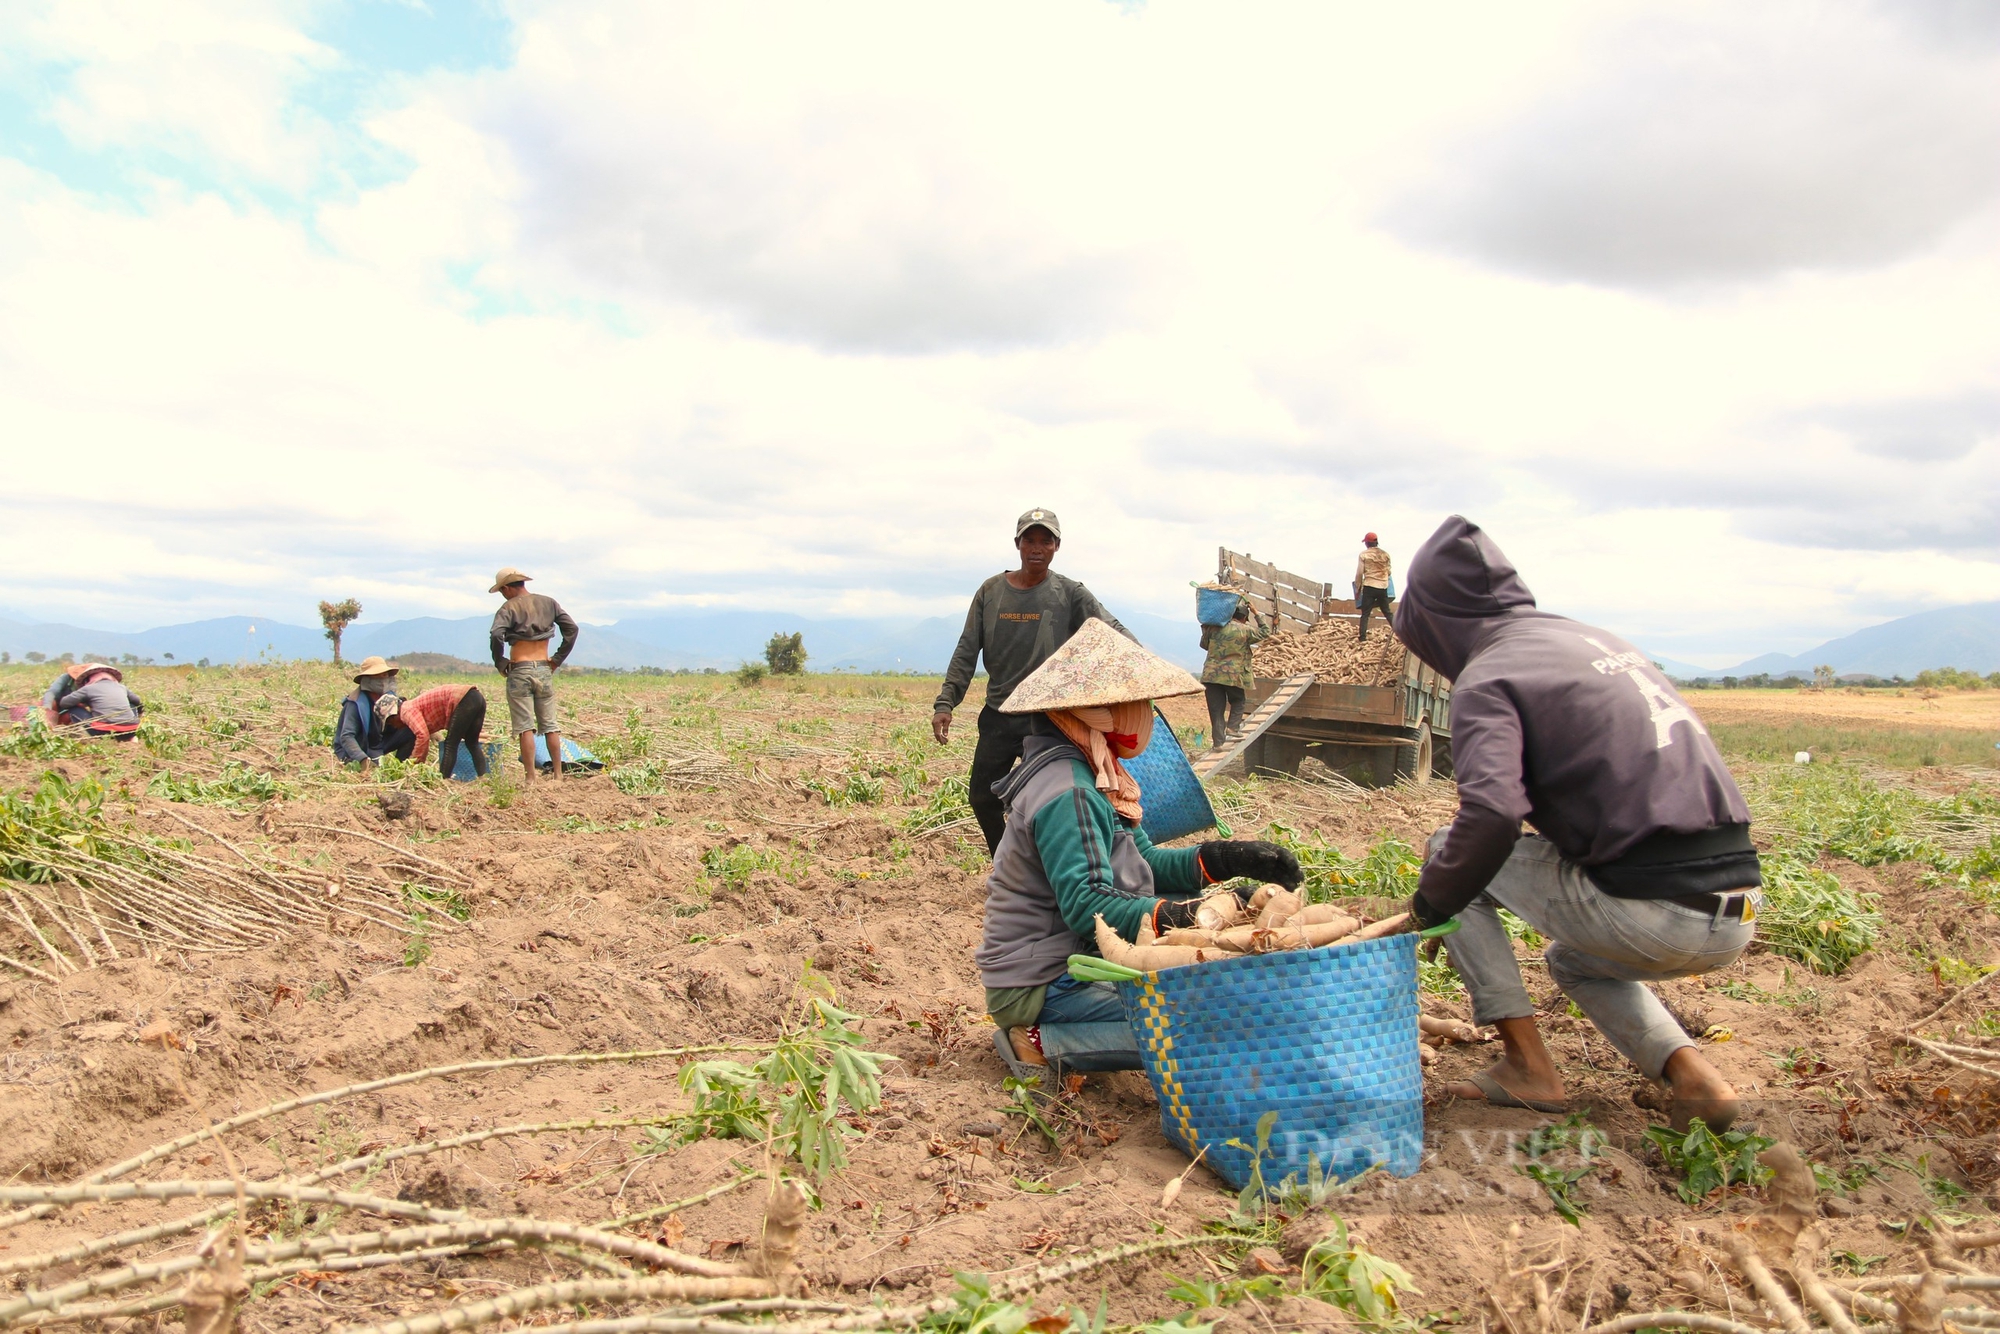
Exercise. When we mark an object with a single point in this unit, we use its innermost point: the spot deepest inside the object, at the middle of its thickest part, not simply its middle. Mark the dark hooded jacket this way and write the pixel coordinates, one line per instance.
(1570, 728)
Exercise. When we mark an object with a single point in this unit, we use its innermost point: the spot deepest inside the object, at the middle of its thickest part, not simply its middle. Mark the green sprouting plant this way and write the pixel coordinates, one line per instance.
(634, 742)
(450, 902)
(1987, 1025)
(727, 1105)
(223, 727)
(1252, 1199)
(1388, 870)
(417, 945)
(167, 745)
(794, 1096)
(393, 770)
(949, 804)
(500, 788)
(1342, 1271)
(238, 784)
(1941, 1190)
(1436, 976)
(1202, 1294)
(1704, 1162)
(1956, 972)
(37, 741)
(1574, 1135)
(1854, 1263)
(732, 867)
(1808, 915)
(320, 734)
(848, 787)
(1848, 1178)
(1021, 1102)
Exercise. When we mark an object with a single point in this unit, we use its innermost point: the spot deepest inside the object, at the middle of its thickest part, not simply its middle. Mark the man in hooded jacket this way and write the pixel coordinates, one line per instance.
(1640, 867)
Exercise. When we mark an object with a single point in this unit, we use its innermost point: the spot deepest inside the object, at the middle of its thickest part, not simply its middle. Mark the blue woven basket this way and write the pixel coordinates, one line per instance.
(1175, 802)
(573, 756)
(1326, 1038)
(1214, 606)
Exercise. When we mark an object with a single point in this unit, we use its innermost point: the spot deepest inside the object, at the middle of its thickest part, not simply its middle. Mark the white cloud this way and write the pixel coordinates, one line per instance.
(799, 305)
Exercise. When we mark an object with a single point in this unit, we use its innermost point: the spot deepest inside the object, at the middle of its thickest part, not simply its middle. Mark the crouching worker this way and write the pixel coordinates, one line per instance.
(366, 732)
(455, 714)
(1641, 867)
(93, 695)
(1073, 850)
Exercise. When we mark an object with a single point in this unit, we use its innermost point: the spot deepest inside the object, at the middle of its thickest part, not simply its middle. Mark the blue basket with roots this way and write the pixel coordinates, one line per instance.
(1214, 606)
(1325, 1038)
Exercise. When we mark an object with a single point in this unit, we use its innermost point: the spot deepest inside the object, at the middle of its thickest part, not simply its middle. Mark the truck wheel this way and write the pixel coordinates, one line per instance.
(1414, 762)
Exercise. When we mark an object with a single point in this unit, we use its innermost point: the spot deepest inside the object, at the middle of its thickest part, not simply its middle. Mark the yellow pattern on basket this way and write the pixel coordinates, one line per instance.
(1160, 1041)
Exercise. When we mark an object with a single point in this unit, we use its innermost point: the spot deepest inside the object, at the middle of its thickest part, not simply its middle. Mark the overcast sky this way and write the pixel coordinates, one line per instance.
(1695, 307)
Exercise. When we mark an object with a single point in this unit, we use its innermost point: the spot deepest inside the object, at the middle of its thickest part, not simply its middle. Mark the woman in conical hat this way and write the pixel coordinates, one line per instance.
(1073, 850)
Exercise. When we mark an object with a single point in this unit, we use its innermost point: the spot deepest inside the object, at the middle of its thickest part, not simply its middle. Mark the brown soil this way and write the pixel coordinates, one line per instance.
(593, 930)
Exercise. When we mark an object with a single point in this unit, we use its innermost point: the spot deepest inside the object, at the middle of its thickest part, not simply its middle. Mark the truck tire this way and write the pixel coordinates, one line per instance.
(1414, 762)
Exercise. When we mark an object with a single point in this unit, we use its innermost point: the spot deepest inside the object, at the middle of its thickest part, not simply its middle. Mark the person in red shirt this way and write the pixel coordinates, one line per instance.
(455, 713)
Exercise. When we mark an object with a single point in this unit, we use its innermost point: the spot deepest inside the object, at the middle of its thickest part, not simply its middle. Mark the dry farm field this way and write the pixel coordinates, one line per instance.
(1902, 726)
(537, 1055)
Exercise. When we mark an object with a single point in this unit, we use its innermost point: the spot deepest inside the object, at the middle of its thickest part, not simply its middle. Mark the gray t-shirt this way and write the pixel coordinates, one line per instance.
(1016, 629)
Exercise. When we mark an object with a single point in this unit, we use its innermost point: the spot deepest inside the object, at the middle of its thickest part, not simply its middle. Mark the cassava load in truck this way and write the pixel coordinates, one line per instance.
(1373, 712)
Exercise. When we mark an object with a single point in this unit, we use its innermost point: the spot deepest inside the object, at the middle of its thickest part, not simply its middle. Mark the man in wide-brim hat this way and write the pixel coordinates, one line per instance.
(1073, 850)
(93, 694)
(365, 732)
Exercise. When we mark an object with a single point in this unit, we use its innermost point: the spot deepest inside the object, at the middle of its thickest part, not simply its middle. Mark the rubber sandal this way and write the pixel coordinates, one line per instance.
(1016, 1067)
(1496, 1094)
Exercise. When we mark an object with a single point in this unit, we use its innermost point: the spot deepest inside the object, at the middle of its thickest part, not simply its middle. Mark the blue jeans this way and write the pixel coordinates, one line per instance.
(1083, 1027)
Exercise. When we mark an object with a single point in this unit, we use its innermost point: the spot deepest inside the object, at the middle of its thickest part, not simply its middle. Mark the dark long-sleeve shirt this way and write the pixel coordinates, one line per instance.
(531, 616)
(1016, 629)
(1570, 728)
(359, 735)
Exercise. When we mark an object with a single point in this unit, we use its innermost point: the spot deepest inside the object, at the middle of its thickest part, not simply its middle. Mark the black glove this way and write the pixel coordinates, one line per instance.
(1422, 916)
(1265, 862)
(1170, 913)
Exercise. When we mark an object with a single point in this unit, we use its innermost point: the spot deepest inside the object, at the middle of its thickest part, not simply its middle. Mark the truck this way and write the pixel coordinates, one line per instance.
(1374, 734)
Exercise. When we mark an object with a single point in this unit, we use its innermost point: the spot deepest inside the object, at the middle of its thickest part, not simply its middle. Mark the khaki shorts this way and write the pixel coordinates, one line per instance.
(531, 698)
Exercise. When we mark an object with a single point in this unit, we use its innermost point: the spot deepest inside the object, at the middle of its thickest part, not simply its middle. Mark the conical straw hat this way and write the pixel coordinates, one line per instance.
(1098, 666)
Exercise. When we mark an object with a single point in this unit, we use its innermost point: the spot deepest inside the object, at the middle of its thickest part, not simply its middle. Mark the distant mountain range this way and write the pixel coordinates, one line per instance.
(1966, 637)
(719, 638)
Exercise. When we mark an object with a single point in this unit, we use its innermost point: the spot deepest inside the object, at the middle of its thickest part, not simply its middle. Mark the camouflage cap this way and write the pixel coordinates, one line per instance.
(1039, 518)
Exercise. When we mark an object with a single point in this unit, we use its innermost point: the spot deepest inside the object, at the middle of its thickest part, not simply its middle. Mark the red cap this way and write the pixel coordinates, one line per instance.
(1368, 537)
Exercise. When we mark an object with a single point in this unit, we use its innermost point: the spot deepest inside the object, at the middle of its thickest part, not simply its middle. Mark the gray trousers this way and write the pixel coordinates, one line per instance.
(1600, 950)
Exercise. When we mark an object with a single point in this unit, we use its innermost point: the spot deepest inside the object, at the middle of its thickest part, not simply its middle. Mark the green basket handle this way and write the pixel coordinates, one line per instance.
(1090, 968)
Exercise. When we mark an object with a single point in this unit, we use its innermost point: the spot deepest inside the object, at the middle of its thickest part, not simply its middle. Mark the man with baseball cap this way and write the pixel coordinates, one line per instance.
(522, 629)
(1017, 619)
(1371, 582)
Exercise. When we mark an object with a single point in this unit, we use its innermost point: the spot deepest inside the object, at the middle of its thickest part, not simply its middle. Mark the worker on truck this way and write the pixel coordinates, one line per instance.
(1640, 867)
(1228, 672)
(520, 636)
(1372, 575)
(1017, 619)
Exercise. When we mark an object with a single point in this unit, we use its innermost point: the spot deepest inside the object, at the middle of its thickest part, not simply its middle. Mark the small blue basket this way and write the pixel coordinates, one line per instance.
(1174, 801)
(1326, 1038)
(1214, 606)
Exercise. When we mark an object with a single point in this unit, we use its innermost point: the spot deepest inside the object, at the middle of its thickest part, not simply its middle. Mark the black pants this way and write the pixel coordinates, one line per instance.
(466, 721)
(1225, 704)
(1372, 598)
(1000, 738)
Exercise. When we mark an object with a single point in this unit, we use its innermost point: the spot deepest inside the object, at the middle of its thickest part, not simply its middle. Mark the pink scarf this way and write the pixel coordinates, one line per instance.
(1106, 734)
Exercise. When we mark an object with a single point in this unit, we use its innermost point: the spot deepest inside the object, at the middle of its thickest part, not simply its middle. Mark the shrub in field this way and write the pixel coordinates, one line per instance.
(786, 654)
(751, 674)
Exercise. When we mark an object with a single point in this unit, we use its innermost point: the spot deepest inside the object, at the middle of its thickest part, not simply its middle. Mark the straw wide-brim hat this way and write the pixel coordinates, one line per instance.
(84, 669)
(507, 576)
(375, 666)
(1098, 666)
